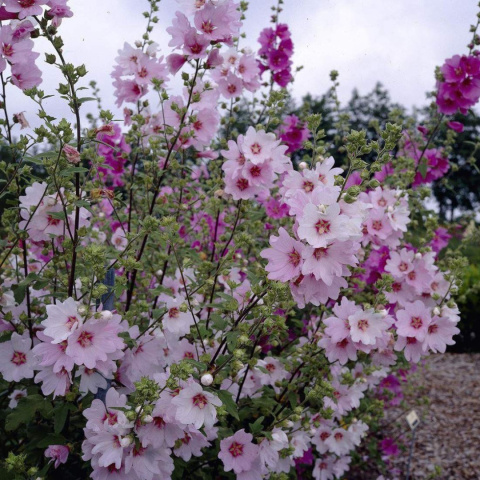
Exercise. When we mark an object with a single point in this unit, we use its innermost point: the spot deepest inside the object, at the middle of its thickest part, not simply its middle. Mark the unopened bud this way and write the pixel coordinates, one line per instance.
(106, 314)
(207, 379)
(125, 442)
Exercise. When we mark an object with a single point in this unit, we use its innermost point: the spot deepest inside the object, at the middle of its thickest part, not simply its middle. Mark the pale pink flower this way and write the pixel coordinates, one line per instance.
(340, 442)
(325, 263)
(275, 371)
(284, 257)
(366, 326)
(412, 348)
(400, 264)
(238, 452)
(16, 358)
(191, 444)
(319, 226)
(175, 320)
(25, 8)
(196, 406)
(258, 146)
(413, 320)
(440, 334)
(72, 154)
(15, 396)
(57, 453)
(56, 383)
(62, 320)
(94, 340)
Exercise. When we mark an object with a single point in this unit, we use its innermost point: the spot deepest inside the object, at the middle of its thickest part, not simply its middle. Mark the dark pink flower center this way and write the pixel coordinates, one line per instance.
(71, 321)
(308, 186)
(236, 449)
(232, 88)
(85, 339)
(362, 324)
(242, 184)
(7, 50)
(255, 171)
(174, 312)
(403, 267)
(207, 27)
(26, 3)
(319, 253)
(256, 148)
(53, 221)
(19, 358)
(270, 367)
(322, 226)
(416, 322)
(377, 225)
(159, 422)
(199, 400)
(294, 258)
(433, 328)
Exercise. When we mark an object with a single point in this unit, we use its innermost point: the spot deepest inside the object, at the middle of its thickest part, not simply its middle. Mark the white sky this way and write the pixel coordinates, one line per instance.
(396, 42)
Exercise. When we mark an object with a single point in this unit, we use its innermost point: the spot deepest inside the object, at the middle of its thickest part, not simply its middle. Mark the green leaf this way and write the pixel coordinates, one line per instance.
(25, 411)
(68, 171)
(422, 167)
(19, 292)
(228, 403)
(61, 413)
(257, 426)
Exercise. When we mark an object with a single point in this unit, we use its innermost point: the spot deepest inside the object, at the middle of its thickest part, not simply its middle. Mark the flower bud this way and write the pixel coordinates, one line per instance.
(436, 311)
(106, 314)
(207, 379)
(147, 419)
(302, 165)
(125, 442)
(72, 154)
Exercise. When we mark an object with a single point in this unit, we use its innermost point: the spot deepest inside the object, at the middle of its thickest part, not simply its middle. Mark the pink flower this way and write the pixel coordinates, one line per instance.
(72, 154)
(25, 8)
(26, 75)
(456, 126)
(284, 257)
(325, 263)
(238, 452)
(94, 340)
(62, 320)
(319, 226)
(16, 358)
(175, 62)
(413, 320)
(230, 86)
(196, 406)
(175, 320)
(439, 335)
(366, 326)
(258, 146)
(57, 453)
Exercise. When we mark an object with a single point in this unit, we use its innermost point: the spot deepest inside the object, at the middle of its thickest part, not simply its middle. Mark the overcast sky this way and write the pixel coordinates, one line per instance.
(396, 42)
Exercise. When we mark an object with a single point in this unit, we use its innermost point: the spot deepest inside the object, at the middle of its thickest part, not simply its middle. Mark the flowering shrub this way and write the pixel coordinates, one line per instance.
(180, 298)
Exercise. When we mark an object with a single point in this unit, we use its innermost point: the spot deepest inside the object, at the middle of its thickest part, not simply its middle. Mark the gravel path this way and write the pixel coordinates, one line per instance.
(449, 435)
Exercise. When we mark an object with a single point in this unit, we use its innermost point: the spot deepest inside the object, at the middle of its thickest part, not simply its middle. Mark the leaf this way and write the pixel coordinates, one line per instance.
(61, 414)
(19, 292)
(70, 170)
(422, 168)
(86, 99)
(228, 403)
(24, 412)
(257, 426)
